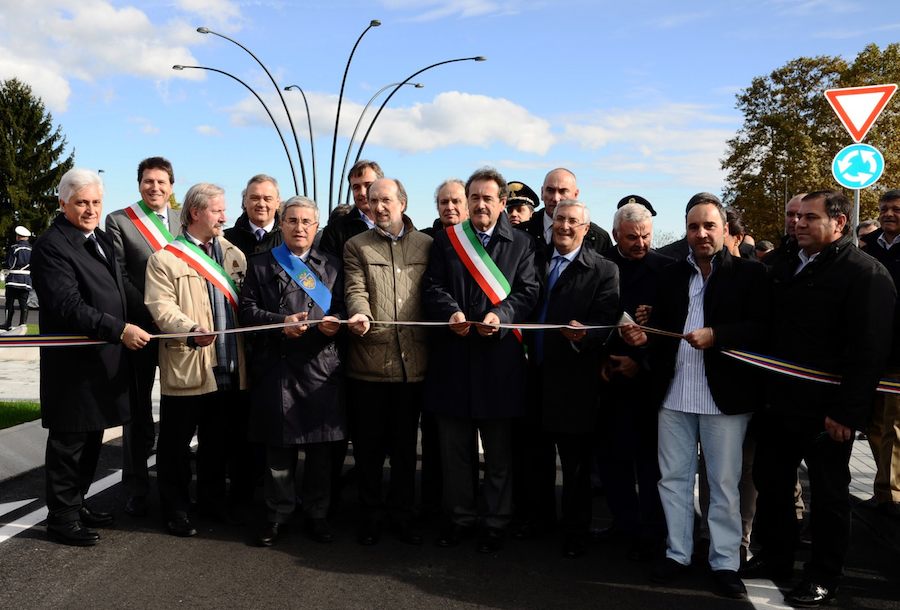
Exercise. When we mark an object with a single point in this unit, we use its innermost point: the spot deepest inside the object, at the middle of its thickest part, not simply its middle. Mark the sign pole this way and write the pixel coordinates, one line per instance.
(854, 220)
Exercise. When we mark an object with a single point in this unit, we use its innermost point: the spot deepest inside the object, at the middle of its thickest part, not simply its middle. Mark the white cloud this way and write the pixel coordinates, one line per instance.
(430, 10)
(49, 43)
(667, 22)
(145, 125)
(207, 130)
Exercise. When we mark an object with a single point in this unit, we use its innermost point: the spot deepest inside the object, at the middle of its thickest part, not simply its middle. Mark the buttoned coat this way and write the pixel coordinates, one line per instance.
(241, 236)
(83, 389)
(177, 298)
(383, 281)
(735, 306)
(132, 253)
(296, 385)
(586, 291)
(475, 376)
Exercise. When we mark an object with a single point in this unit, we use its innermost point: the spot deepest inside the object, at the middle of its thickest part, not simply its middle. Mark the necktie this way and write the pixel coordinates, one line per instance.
(260, 233)
(161, 217)
(96, 247)
(555, 267)
(485, 238)
(207, 249)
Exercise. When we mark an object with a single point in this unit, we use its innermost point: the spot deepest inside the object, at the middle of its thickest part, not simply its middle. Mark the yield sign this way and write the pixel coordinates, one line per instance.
(858, 107)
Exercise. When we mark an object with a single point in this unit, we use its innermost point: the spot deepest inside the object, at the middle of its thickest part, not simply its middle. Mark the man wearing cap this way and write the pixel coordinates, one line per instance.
(559, 184)
(521, 203)
(629, 444)
(18, 279)
(480, 273)
(257, 229)
(137, 232)
(708, 303)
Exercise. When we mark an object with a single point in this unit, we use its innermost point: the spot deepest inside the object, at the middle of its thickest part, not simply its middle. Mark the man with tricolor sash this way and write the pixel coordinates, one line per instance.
(137, 232)
(192, 287)
(481, 273)
(833, 315)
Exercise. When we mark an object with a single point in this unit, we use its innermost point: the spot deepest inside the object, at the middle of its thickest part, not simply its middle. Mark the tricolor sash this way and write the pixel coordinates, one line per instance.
(479, 264)
(149, 225)
(205, 266)
(303, 276)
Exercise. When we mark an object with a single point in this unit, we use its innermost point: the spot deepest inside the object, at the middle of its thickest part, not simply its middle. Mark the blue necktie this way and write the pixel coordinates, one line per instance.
(260, 233)
(485, 238)
(555, 270)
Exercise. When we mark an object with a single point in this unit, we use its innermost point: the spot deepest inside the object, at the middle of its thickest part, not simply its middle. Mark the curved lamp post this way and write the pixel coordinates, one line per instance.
(312, 146)
(205, 30)
(337, 116)
(355, 129)
(408, 78)
(269, 112)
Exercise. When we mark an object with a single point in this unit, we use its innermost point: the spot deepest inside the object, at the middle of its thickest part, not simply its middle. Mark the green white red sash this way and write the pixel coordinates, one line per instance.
(149, 225)
(479, 264)
(205, 266)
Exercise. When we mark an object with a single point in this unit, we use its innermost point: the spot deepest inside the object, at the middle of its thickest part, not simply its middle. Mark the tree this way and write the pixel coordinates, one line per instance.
(790, 136)
(31, 162)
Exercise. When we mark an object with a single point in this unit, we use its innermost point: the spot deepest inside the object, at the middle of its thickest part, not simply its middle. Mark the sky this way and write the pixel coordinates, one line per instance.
(634, 97)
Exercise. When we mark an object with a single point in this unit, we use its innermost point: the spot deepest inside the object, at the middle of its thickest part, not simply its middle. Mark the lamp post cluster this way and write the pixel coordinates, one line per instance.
(396, 86)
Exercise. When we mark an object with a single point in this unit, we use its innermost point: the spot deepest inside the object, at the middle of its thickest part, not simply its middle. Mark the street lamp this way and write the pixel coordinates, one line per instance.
(355, 129)
(408, 78)
(337, 116)
(269, 112)
(312, 146)
(205, 30)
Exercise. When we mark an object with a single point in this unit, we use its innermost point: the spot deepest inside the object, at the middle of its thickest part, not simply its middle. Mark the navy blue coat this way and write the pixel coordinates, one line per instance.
(83, 389)
(475, 376)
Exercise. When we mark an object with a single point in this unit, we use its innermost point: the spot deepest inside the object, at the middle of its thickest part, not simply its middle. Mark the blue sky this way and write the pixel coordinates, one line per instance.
(634, 97)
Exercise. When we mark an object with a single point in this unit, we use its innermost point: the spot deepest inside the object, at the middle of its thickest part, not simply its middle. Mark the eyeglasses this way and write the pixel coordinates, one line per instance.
(568, 222)
(304, 224)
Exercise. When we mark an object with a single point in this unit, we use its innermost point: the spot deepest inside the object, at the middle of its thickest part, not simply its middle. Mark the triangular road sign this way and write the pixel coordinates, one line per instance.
(858, 107)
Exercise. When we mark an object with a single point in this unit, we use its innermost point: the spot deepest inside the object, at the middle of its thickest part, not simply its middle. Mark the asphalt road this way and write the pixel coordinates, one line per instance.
(138, 565)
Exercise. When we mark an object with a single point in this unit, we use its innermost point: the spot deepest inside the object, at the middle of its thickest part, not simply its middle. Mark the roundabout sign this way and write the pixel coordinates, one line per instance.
(858, 166)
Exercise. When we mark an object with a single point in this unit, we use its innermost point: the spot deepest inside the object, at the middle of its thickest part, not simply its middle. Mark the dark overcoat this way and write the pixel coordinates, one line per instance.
(597, 238)
(586, 291)
(735, 305)
(475, 376)
(83, 389)
(241, 236)
(296, 385)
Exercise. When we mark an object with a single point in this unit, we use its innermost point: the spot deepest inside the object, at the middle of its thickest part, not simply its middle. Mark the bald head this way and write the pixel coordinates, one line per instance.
(792, 214)
(559, 184)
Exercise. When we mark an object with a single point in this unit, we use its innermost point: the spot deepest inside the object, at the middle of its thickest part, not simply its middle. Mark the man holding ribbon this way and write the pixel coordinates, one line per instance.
(481, 274)
(297, 391)
(137, 232)
(387, 362)
(192, 287)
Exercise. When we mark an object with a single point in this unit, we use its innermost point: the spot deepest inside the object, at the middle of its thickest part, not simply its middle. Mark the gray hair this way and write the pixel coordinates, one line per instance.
(299, 201)
(76, 179)
(448, 182)
(631, 212)
(259, 178)
(574, 203)
(197, 198)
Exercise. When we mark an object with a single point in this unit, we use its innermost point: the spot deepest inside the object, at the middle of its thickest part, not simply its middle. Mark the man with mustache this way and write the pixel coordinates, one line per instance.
(192, 286)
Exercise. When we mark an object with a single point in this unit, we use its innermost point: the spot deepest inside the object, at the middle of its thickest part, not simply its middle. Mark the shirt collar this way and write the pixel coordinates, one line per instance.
(268, 228)
(571, 256)
(369, 222)
(884, 243)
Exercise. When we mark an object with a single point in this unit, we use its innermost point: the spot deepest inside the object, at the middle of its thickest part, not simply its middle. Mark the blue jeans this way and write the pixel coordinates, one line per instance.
(722, 437)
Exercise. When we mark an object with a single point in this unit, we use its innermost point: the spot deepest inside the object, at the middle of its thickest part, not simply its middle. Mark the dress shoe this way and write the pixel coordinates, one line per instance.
(451, 534)
(729, 584)
(180, 525)
(368, 533)
(490, 540)
(270, 533)
(94, 518)
(757, 568)
(405, 532)
(136, 506)
(574, 546)
(668, 570)
(318, 530)
(72, 533)
(809, 595)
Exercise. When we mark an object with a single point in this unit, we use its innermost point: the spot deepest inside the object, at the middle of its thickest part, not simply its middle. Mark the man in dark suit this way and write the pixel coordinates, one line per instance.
(257, 229)
(133, 246)
(476, 373)
(710, 302)
(581, 288)
(84, 390)
(361, 218)
(559, 184)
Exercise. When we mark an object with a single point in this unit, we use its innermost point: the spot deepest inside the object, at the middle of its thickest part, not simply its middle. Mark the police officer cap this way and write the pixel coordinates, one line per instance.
(22, 231)
(636, 199)
(520, 194)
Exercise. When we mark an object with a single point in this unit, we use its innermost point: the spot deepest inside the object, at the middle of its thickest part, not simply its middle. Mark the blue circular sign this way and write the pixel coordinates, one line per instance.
(858, 166)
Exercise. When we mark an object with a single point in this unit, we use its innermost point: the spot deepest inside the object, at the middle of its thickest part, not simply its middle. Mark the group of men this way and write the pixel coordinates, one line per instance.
(339, 355)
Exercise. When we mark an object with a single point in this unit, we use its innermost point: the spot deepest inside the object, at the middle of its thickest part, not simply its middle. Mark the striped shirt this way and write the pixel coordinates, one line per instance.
(689, 390)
